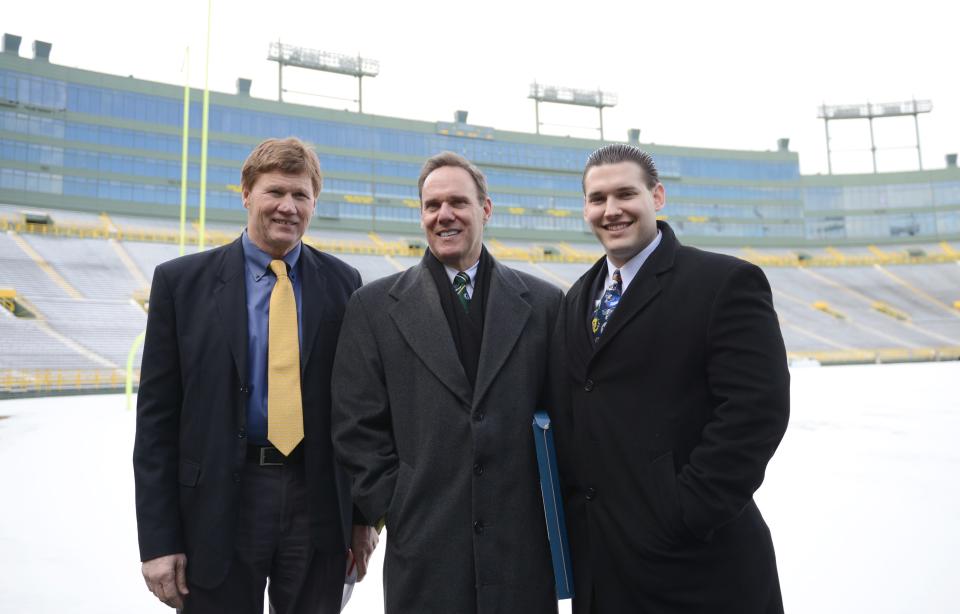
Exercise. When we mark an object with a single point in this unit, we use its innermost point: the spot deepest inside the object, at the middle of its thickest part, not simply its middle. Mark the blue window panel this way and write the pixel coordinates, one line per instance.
(948, 222)
(346, 186)
(351, 211)
(947, 192)
(397, 191)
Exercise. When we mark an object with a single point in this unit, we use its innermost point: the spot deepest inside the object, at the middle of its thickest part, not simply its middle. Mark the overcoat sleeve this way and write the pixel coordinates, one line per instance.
(156, 443)
(362, 429)
(750, 389)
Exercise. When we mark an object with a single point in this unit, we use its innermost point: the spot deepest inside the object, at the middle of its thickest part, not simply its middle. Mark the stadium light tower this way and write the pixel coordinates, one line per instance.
(568, 95)
(324, 61)
(871, 111)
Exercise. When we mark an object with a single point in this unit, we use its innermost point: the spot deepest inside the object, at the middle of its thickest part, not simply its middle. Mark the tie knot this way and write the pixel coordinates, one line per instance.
(616, 277)
(460, 281)
(279, 268)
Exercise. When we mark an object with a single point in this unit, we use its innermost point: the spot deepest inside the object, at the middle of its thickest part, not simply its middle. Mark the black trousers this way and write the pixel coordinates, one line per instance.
(273, 541)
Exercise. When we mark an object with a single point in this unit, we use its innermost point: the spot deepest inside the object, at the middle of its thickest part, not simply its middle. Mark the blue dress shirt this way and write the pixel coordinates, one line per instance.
(260, 281)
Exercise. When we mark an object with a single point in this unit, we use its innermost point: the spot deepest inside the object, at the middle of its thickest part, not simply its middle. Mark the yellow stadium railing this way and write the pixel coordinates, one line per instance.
(880, 355)
(825, 307)
(850, 261)
(8, 300)
(887, 310)
(382, 248)
(402, 248)
(58, 380)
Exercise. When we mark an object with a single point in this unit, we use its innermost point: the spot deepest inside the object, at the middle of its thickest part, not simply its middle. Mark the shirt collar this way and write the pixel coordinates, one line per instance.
(631, 267)
(471, 273)
(258, 261)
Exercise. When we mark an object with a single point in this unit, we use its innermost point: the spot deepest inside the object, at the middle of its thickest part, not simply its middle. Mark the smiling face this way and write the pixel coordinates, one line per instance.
(279, 207)
(452, 216)
(620, 208)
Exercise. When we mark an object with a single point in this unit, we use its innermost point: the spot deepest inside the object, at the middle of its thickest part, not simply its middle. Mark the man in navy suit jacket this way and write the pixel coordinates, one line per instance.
(219, 509)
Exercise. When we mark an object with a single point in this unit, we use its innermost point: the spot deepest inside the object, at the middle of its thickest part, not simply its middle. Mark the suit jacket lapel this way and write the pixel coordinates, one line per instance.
(230, 294)
(506, 317)
(420, 320)
(312, 292)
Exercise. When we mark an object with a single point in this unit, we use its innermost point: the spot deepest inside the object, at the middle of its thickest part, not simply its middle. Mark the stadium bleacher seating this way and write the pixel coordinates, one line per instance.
(85, 278)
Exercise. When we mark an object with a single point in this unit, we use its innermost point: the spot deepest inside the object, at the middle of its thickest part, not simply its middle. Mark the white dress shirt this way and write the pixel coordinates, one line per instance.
(629, 269)
(471, 274)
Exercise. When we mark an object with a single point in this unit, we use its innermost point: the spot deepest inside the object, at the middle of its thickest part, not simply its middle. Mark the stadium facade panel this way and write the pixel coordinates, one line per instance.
(76, 139)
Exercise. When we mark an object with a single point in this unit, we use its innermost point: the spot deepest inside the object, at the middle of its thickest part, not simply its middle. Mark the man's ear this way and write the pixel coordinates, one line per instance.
(659, 197)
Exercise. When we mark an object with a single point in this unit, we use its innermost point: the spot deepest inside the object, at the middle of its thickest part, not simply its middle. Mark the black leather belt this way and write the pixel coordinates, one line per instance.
(267, 456)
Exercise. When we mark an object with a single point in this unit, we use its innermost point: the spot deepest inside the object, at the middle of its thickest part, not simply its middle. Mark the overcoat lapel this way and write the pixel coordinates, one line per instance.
(420, 320)
(642, 290)
(578, 336)
(313, 291)
(506, 317)
(230, 294)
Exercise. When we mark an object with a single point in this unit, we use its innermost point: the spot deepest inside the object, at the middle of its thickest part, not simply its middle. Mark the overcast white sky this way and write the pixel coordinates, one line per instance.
(736, 74)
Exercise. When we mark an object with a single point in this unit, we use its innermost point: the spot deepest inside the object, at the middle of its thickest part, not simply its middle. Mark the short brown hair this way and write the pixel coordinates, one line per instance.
(620, 152)
(448, 158)
(289, 155)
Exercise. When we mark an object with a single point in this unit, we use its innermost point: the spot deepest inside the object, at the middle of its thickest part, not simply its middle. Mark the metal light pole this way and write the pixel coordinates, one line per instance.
(870, 111)
(567, 95)
(324, 61)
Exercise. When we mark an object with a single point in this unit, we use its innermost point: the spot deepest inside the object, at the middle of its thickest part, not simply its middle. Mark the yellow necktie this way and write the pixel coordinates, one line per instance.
(284, 404)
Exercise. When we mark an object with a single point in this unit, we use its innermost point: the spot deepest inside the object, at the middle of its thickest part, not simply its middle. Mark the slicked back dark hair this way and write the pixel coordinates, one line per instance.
(448, 158)
(621, 152)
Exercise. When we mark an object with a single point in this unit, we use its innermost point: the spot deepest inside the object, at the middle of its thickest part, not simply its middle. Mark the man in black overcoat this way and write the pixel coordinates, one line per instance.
(673, 394)
(439, 370)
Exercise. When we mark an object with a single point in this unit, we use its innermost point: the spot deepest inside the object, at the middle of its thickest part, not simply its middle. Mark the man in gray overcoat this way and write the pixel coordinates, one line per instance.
(438, 372)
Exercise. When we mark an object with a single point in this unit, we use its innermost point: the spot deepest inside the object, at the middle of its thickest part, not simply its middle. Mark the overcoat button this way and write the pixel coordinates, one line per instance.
(478, 417)
(588, 385)
(478, 469)
(591, 493)
(478, 527)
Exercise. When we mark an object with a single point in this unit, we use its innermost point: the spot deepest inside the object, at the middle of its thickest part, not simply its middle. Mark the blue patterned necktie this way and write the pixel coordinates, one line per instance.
(460, 282)
(611, 296)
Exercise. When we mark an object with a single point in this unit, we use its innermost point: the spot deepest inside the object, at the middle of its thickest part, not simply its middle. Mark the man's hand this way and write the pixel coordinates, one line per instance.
(363, 543)
(166, 577)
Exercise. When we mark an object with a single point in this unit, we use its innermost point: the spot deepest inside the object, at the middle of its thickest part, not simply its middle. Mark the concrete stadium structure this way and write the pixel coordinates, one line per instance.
(76, 139)
(864, 267)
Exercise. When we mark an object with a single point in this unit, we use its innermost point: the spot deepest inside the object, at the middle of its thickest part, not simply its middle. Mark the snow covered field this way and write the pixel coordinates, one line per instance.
(863, 499)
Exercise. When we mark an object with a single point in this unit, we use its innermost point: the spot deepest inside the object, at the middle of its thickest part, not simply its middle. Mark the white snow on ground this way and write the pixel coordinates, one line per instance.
(863, 496)
(862, 499)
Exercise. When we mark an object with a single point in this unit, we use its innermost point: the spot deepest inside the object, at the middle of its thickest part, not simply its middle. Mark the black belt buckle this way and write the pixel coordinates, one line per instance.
(273, 453)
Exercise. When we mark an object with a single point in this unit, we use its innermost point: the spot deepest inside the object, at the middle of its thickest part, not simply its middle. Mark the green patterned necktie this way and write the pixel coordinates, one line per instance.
(460, 282)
